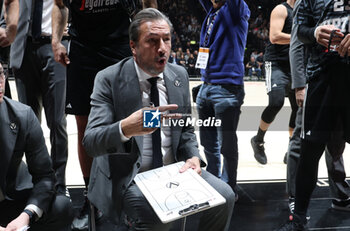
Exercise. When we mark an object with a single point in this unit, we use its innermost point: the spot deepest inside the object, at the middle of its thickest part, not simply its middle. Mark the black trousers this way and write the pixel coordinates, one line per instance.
(326, 123)
(307, 171)
(41, 81)
(58, 218)
(339, 188)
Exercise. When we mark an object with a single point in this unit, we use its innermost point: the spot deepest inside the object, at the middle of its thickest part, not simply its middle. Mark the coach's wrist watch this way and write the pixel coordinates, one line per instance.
(32, 216)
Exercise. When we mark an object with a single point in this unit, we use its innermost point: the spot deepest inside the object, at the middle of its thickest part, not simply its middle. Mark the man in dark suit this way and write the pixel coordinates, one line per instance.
(40, 80)
(122, 147)
(27, 195)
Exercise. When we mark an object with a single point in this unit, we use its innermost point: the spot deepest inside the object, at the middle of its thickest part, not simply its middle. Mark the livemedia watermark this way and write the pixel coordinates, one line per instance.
(249, 119)
(153, 119)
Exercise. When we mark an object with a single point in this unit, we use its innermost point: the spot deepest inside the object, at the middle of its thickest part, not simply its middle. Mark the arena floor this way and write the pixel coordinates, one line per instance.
(255, 100)
(263, 203)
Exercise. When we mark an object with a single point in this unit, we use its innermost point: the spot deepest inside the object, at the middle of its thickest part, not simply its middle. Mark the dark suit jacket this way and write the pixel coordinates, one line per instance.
(116, 95)
(19, 45)
(20, 133)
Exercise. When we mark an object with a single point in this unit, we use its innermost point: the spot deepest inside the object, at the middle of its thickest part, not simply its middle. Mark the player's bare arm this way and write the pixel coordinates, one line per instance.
(277, 19)
(59, 23)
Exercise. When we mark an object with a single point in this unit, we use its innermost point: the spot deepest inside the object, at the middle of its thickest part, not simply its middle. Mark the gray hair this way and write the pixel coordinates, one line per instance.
(146, 15)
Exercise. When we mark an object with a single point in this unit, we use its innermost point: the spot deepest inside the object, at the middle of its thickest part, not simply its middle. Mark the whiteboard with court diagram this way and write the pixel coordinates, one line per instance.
(174, 195)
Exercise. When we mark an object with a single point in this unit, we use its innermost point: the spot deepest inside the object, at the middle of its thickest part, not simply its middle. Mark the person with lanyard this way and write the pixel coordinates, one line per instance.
(278, 78)
(326, 110)
(223, 39)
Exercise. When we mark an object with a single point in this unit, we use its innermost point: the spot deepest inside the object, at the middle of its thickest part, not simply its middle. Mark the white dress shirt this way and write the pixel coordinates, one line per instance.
(46, 28)
(145, 86)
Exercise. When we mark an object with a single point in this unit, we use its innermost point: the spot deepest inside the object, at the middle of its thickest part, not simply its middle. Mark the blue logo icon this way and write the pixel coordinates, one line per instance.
(151, 118)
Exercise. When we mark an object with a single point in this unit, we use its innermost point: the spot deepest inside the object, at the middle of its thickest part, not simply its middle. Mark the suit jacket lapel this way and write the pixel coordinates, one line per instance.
(173, 83)
(130, 93)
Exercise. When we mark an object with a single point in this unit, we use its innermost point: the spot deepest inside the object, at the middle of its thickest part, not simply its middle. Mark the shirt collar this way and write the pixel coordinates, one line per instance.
(143, 75)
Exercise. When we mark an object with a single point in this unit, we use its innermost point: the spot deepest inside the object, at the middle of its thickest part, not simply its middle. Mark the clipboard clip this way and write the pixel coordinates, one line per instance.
(194, 208)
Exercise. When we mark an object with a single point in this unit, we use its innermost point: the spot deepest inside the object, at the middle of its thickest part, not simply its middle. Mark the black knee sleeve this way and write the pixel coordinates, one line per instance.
(276, 101)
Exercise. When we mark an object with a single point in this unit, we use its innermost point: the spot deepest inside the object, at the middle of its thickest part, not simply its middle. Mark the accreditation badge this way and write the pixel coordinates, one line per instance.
(203, 57)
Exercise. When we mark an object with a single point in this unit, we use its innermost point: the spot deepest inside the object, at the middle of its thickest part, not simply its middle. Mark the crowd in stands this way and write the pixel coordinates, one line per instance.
(185, 42)
(188, 17)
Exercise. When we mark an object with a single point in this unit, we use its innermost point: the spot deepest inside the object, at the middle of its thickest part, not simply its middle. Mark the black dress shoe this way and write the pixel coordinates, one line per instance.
(81, 222)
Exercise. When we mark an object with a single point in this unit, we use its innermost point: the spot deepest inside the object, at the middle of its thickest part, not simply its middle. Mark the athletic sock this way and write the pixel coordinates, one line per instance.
(260, 135)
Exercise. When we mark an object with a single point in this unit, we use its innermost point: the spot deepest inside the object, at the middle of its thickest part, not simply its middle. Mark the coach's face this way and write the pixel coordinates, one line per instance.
(152, 50)
(2, 84)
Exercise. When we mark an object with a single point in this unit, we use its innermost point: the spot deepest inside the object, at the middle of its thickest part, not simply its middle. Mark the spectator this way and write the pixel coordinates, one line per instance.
(172, 58)
(190, 65)
(253, 68)
(182, 60)
(254, 54)
(222, 75)
(187, 54)
(260, 61)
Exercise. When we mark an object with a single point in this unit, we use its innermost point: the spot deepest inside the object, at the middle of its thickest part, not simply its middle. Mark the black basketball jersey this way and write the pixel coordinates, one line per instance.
(277, 52)
(99, 21)
(333, 12)
(336, 13)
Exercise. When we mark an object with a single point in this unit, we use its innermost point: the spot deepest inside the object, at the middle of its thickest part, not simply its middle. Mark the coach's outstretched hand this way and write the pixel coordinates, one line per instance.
(133, 124)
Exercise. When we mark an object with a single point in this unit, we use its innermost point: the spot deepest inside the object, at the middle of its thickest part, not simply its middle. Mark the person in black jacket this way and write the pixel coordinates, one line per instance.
(339, 188)
(326, 111)
(27, 194)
